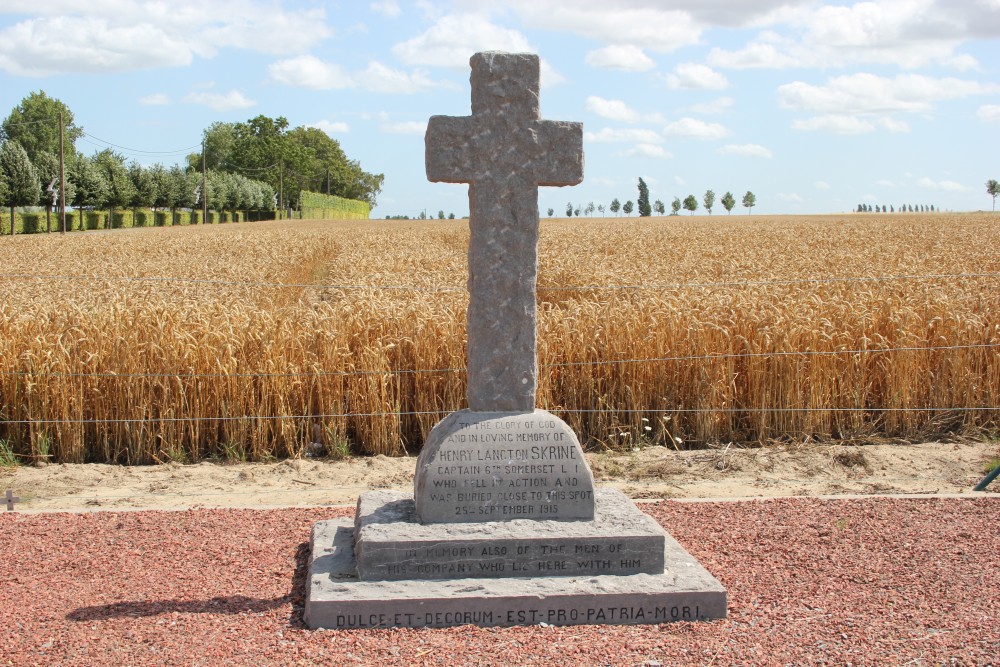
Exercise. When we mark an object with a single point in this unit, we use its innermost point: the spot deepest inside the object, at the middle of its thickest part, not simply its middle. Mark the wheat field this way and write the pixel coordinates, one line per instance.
(249, 342)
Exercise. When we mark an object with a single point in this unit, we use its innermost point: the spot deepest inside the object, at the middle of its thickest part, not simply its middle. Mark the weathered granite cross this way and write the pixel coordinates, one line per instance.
(11, 499)
(504, 151)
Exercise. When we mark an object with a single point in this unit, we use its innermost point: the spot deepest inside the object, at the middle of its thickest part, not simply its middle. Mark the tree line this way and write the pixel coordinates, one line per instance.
(904, 208)
(645, 209)
(258, 165)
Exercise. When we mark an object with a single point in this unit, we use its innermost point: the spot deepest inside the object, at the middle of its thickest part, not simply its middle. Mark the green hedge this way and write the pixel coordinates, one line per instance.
(316, 206)
(35, 223)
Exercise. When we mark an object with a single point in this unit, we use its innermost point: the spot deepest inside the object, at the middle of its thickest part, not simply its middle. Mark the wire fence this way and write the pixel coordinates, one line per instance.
(769, 418)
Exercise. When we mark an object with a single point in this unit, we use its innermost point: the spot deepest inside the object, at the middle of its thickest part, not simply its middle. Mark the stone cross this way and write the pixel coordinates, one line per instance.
(11, 499)
(504, 151)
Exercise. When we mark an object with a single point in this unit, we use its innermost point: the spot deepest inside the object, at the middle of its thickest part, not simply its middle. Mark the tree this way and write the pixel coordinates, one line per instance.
(675, 206)
(90, 186)
(589, 210)
(644, 208)
(441, 215)
(993, 190)
(144, 187)
(749, 201)
(627, 207)
(690, 204)
(576, 211)
(47, 166)
(34, 124)
(551, 212)
(23, 186)
(728, 202)
(451, 216)
(569, 209)
(615, 206)
(600, 209)
(709, 201)
(120, 192)
(659, 207)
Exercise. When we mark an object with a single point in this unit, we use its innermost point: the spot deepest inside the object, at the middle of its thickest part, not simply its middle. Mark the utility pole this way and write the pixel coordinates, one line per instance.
(62, 177)
(204, 186)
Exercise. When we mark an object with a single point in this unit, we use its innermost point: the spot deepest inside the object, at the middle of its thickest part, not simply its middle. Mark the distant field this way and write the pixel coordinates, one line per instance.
(178, 343)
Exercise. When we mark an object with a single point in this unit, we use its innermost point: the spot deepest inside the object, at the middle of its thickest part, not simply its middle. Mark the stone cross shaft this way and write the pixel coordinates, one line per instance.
(504, 151)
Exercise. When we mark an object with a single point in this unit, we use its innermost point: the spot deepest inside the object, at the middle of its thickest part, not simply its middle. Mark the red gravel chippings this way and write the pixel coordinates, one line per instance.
(811, 582)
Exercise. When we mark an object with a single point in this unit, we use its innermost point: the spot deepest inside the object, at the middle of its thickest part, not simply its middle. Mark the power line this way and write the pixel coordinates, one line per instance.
(139, 150)
(563, 364)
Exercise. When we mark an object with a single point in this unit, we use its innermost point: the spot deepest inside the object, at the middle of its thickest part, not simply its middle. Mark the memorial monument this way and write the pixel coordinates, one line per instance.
(504, 526)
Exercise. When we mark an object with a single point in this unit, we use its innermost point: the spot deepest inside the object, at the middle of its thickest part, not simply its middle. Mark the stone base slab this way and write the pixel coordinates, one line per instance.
(391, 543)
(337, 599)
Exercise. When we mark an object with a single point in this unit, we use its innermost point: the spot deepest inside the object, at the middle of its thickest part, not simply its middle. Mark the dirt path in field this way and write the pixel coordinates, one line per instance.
(654, 472)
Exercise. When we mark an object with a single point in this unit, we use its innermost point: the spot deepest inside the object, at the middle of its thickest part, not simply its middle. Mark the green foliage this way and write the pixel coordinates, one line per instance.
(690, 204)
(34, 124)
(296, 160)
(121, 191)
(329, 207)
(708, 200)
(627, 207)
(22, 184)
(90, 185)
(675, 206)
(728, 202)
(645, 210)
(615, 206)
(569, 209)
(7, 457)
(993, 190)
(659, 207)
(749, 201)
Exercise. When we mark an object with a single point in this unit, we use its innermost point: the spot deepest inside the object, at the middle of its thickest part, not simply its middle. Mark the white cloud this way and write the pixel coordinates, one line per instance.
(902, 33)
(821, 185)
(625, 57)
(947, 186)
(641, 23)
(692, 127)
(695, 76)
(381, 79)
(624, 135)
(405, 127)
(989, 112)
(835, 123)
(756, 55)
(387, 8)
(714, 107)
(868, 93)
(230, 101)
(649, 150)
(745, 150)
(331, 126)
(310, 72)
(452, 40)
(156, 99)
(613, 109)
(61, 36)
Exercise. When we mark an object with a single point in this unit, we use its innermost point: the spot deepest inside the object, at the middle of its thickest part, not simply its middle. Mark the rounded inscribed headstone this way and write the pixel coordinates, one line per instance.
(500, 466)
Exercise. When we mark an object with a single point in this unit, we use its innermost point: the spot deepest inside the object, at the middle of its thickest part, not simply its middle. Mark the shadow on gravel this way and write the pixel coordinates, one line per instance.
(231, 604)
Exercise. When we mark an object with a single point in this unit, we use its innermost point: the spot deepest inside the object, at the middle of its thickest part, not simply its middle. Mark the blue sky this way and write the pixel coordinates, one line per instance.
(815, 106)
